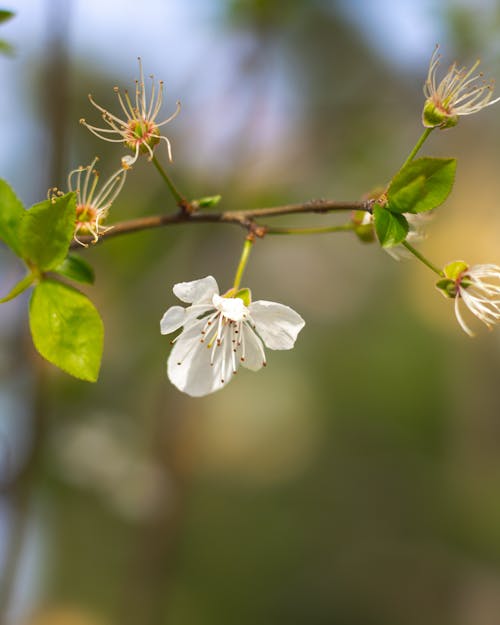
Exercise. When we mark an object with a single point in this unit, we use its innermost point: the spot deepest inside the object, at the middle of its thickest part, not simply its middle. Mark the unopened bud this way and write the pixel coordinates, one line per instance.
(363, 226)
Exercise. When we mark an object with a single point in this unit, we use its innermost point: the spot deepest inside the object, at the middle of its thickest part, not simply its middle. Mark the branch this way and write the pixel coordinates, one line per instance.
(244, 218)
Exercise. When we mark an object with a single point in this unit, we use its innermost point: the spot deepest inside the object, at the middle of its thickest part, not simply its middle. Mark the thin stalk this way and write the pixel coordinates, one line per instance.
(423, 259)
(240, 218)
(243, 262)
(316, 230)
(180, 200)
(418, 145)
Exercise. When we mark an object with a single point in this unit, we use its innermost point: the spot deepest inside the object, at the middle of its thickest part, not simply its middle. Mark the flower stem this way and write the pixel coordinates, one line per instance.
(422, 259)
(417, 147)
(317, 230)
(243, 262)
(172, 188)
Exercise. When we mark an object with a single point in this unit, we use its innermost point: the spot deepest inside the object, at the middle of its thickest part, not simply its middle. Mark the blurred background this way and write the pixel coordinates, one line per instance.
(355, 481)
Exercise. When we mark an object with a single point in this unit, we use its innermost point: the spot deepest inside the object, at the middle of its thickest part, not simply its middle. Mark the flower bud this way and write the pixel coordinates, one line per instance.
(363, 226)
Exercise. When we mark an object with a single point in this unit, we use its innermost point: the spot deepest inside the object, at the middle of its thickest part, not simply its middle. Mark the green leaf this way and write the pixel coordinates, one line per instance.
(21, 286)
(47, 230)
(391, 228)
(5, 15)
(409, 195)
(75, 268)
(67, 329)
(11, 215)
(208, 201)
(422, 185)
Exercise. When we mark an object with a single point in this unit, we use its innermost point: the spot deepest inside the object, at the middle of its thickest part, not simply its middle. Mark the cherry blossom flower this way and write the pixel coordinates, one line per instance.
(460, 92)
(91, 207)
(220, 333)
(476, 287)
(139, 130)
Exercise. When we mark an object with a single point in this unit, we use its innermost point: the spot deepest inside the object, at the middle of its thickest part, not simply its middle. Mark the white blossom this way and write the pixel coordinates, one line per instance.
(220, 333)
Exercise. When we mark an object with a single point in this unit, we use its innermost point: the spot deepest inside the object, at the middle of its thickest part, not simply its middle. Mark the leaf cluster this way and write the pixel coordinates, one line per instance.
(420, 186)
(65, 326)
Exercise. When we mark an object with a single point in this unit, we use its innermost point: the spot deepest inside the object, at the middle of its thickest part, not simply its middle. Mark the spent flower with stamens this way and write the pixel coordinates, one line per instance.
(92, 206)
(220, 333)
(139, 130)
(476, 287)
(460, 92)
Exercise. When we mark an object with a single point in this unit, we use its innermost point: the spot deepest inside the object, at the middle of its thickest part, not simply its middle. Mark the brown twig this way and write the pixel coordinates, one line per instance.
(245, 218)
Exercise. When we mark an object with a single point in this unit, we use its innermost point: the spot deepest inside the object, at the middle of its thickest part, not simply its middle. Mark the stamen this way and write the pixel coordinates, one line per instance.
(223, 365)
(83, 198)
(233, 352)
(169, 147)
(241, 339)
(128, 114)
(92, 188)
(251, 327)
(133, 111)
(105, 112)
(112, 188)
(95, 131)
(173, 116)
(152, 98)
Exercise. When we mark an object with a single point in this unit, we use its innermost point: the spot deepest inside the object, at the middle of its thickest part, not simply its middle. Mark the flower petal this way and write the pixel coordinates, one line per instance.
(176, 316)
(173, 319)
(189, 367)
(278, 325)
(198, 291)
(251, 351)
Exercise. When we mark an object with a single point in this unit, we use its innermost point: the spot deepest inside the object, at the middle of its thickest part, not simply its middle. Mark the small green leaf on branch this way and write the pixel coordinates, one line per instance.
(391, 228)
(11, 215)
(47, 230)
(67, 329)
(20, 287)
(75, 268)
(422, 185)
(207, 202)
